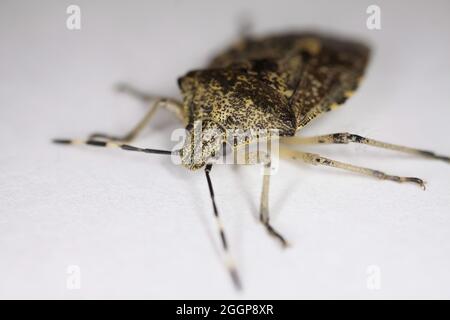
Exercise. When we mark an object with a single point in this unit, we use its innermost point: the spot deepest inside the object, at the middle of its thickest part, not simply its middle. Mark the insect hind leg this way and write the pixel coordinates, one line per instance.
(264, 217)
(345, 138)
(316, 159)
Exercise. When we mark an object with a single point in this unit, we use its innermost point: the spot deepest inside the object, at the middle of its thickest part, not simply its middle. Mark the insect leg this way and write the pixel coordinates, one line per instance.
(253, 158)
(264, 207)
(345, 138)
(316, 159)
(229, 261)
(130, 136)
(171, 104)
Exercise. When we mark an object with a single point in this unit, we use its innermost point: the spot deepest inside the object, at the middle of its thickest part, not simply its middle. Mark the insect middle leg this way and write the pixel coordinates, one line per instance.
(156, 102)
(345, 138)
(316, 159)
(265, 159)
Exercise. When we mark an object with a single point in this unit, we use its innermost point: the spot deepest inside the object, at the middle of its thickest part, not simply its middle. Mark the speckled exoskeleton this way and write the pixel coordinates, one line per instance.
(278, 82)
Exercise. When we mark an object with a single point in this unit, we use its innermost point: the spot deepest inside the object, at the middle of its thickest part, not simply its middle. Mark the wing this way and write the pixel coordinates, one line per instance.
(319, 72)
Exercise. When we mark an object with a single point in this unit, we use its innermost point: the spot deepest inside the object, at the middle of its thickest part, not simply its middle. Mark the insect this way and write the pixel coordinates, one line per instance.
(278, 82)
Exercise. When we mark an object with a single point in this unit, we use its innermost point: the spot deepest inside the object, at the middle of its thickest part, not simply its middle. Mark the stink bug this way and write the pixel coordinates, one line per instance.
(279, 82)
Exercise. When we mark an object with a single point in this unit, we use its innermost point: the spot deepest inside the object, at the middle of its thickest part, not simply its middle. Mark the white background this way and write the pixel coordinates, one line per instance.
(139, 227)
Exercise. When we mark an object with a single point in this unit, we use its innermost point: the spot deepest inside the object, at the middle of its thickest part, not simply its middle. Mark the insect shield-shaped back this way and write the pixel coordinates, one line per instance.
(202, 144)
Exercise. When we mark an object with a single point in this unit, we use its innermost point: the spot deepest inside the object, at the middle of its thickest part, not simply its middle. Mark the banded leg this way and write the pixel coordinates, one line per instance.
(316, 159)
(345, 138)
(253, 158)
(229, 261)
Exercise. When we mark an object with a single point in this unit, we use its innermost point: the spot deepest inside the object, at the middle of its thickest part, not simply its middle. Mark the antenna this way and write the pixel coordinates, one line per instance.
(229, 261)
(108, 144)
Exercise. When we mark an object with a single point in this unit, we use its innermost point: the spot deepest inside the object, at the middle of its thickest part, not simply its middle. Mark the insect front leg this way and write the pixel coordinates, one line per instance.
(155, 103)
(316, 159)
(130, 136)
(171, 104)
(345, 138)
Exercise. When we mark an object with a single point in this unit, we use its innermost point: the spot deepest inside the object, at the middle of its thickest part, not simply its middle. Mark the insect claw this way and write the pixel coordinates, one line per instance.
(423, 185)
(444, 158)
(276, 235)
(418, 181)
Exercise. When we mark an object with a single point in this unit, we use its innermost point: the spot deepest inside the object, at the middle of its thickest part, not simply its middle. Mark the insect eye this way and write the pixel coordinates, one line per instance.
(190, 126)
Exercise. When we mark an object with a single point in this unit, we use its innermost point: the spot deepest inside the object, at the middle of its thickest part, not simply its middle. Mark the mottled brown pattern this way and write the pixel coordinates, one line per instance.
(237, 98)
(318, 72)
(277, 82)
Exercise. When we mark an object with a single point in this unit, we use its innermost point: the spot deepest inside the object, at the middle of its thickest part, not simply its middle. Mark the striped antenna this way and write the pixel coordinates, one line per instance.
(111, 144)
(231, 266)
